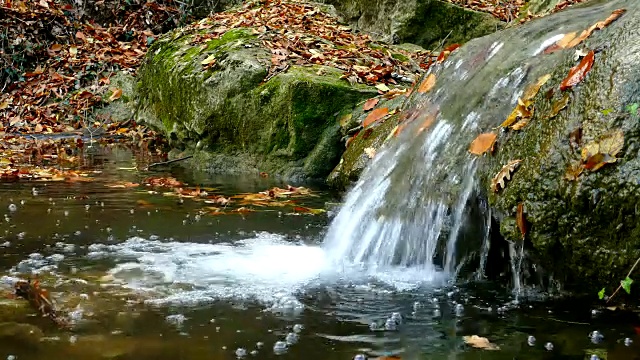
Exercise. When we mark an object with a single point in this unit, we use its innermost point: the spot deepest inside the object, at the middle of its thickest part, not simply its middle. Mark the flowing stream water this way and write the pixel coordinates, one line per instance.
(142, 274)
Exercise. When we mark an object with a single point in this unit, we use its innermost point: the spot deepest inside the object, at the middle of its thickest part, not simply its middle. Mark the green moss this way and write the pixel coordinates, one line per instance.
(400, 57)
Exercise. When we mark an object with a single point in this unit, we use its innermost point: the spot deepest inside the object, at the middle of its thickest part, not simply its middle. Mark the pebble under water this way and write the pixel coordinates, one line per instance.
(139, 274)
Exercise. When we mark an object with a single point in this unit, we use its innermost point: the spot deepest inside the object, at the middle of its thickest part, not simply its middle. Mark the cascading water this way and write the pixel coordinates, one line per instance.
(415, 201)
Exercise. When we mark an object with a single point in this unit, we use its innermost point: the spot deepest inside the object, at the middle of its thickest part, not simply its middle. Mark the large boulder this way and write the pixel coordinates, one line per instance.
(422, 22)
(579, 176)
(223, 96)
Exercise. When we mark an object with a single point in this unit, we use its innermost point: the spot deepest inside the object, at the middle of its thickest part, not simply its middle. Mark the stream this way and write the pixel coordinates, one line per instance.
(141, 274)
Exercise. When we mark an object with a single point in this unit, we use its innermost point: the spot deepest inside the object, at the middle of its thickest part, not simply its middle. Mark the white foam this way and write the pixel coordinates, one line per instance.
(265, 268)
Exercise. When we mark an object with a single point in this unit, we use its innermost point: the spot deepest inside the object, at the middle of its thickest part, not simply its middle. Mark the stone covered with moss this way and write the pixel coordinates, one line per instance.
(422, 22)
(286, 125)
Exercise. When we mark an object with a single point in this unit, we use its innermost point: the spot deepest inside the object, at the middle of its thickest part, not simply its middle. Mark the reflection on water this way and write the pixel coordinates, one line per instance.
(139, 276)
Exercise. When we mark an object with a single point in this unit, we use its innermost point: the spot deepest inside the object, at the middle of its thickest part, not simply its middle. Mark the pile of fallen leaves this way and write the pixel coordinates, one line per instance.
(505, 10)
(302, 34)
(57, 69)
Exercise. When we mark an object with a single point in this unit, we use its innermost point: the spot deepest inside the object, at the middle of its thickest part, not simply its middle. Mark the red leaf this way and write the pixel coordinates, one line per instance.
(374, 116)
(370, 104)
(578, 72)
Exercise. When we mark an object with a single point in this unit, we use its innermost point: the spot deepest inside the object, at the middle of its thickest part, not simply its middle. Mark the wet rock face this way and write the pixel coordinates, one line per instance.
(285, 126)
(422, 22)
(584, 231)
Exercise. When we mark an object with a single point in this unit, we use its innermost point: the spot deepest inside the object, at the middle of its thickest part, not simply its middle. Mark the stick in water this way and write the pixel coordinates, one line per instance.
(169, 162)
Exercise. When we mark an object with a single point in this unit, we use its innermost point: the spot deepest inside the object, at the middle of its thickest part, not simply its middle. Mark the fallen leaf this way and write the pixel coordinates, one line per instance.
(533, 89)
(479, 342)
(371, 152)
(573, 171)
(117, 93)
(559, 105)
(344, 120)
(483, 143)
(499, 181)
(73, 50)
(375, 115)
(55, 47)
(522, 110)
(4, 105)
(370, 104)
(428, 84)
(209, 60)
(613, 17)
(578, 72)
(602, 151)
(520, 124)
(382, 87)
(521, 221)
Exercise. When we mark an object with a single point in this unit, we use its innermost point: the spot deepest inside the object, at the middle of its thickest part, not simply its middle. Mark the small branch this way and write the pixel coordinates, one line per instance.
(168, 162)
(620, 287)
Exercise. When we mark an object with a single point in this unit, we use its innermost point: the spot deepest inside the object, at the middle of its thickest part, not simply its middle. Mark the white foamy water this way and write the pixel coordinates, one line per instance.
(266, 268)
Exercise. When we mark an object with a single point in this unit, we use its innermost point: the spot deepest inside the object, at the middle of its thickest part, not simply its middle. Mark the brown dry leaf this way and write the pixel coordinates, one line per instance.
(613, 17)
(521, 111)
(578, 72)
(371, 152)
(370, 104)
(117, 93)
(521, 221)
(38, 128)
(520, 124)
(4, 105)
(559, 105)
(533, 89)
(55, 47)
(573, 171)
(428, 84)
(566, 40)
(504, 175)
(483, 143)
(602, 151)
(479, 342)
(374, 116)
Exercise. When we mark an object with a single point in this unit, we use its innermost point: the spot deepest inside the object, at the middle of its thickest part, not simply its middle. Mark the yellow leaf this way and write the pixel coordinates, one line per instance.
(117, 93)
(73, 51)
(533, 89)
(382, 87)
(4, 105)
(209, 60)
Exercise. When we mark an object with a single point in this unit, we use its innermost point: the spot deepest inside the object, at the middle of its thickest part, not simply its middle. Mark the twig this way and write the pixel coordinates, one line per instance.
(168, 162)
(619, 287)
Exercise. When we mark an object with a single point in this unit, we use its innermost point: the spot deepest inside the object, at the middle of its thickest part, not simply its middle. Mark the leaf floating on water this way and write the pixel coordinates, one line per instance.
(483, 143)
(428, 84)
(371, 152)
(370, 104)
(521, 221)
(375, 115)
(479, 342)
(533, 89)
(599, 153)
(578, 72)
(504, 175)
(559, 105)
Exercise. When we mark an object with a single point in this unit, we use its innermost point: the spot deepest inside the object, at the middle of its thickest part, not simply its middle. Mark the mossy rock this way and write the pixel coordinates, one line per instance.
(422, 22)
(285, 126)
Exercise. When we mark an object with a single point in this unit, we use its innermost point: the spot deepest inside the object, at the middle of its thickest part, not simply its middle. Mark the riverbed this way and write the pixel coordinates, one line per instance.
(150, 272)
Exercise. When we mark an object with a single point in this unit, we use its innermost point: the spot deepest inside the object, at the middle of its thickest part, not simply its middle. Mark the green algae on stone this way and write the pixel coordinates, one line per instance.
(286, 126)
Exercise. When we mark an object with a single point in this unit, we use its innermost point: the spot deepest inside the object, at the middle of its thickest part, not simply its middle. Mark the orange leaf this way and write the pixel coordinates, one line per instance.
(38, 128)
(483, 143)
(370, 104)
(55, 47)
(375, 115)
(613, 17)
(117, 93)
(520, 220)
(428, 121)
(81, 36)
(427, 84)
(578, 72)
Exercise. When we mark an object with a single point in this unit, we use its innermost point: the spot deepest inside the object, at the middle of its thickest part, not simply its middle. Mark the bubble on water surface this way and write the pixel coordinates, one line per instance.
(241, 352)
(297, 328)
(548, 346)
(594, 357)
(291, 338)
(13, 207)
(531, 340)
(11, 357)
(596, 337)
(176, 319)
(628, 342)
(280, 347)
(360, 357)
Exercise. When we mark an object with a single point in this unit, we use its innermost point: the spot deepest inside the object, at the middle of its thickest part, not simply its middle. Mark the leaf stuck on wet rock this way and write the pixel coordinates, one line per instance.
(483, 143)
(375, 115)
(428, 84)
(578, 72)
(504, 175)
(370, 104)
(603, 151)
